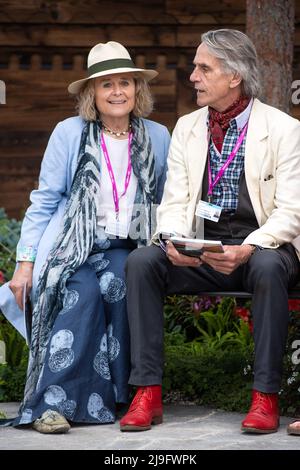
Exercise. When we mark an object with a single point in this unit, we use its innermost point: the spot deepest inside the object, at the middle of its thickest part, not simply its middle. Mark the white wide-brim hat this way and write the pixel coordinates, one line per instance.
(106, 59)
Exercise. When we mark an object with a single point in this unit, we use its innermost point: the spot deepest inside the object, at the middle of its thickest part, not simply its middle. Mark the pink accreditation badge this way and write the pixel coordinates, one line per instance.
(118, 223)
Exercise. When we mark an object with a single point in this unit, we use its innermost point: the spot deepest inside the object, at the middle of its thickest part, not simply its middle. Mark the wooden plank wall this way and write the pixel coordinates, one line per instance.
(44, 45)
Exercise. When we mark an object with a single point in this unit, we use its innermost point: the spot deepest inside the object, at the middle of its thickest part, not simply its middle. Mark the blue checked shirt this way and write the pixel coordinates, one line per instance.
(225, 193)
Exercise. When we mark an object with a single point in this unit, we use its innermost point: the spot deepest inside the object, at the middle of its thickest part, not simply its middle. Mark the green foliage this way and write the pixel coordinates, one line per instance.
(216, 327)
(9, 236)
(13, 372)
(220, 329)
(215, 367)
(217, 321)
(12, 381)
(289, 394)
(209, 358)
(179, 314)
(220, 378)
(14, 342)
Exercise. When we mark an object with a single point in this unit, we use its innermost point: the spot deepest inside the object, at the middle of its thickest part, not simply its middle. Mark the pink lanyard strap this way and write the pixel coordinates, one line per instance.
(116, 196)
(211, 183)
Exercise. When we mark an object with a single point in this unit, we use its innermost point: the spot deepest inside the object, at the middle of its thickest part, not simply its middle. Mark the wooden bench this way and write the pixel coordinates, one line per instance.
(294, 293)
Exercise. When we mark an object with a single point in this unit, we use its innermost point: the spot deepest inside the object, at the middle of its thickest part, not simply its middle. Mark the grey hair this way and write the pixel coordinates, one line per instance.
(237, 54)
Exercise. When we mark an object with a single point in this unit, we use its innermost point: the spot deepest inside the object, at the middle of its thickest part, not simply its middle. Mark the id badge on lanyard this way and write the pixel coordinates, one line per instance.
(117, 224)
(210, 211)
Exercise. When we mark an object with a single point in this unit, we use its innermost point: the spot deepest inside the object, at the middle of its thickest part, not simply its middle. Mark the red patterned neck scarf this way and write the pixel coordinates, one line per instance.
(218, 123)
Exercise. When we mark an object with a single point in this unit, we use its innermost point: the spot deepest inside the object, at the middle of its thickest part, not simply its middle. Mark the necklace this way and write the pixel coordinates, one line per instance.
(117, 133)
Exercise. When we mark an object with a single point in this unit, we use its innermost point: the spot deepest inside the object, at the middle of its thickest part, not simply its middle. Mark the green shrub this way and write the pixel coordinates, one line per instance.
(215, 368)
(12, 381)
(289, 394)
(13, 372)
(209, 357)
(9, 236)
(182, 313)
(220, 378)
(14, 343)
(213, 322)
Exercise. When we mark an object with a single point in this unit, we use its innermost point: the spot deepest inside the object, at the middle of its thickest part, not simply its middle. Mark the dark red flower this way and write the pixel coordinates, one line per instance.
(243, 313)
(2, 278)
(294, 305)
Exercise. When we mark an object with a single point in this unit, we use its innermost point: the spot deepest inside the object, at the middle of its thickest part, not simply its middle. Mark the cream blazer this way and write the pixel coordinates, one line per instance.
(272, 171)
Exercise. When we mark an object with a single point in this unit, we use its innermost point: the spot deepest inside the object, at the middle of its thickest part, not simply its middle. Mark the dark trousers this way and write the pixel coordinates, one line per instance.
(267, 275)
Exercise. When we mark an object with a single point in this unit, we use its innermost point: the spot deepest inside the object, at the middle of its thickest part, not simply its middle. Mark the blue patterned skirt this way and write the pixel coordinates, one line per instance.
(88, 356)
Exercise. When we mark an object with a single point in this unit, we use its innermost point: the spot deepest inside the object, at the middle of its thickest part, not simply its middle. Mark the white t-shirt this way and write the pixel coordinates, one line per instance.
(118, 155)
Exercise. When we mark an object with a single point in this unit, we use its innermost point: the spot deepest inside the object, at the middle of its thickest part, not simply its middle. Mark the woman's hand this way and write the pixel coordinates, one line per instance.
(179, 259)
(22, 276)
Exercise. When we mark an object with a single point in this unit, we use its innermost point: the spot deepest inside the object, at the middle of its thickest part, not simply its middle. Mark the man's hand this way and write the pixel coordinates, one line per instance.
(232, 258)
(22, 276)
(179, 259)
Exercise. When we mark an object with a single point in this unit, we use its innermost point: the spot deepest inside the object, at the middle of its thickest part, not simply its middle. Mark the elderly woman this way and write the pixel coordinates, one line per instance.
(101, 176)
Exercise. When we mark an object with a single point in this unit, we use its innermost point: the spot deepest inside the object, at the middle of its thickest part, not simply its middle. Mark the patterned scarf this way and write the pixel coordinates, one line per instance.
(76, 239)
(219, 122)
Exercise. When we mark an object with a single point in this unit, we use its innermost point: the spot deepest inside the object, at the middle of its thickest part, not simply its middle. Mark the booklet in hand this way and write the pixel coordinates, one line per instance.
(195, 246)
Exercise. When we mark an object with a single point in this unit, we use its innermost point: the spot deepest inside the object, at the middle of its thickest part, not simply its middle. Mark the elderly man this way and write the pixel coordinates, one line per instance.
(238, 158)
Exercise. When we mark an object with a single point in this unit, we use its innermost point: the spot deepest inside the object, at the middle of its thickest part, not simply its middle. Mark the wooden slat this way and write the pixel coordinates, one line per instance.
(27, 138)
(15, 213)
(23, 151)
(129, 12)
(74, 35)
(13, 167)
(295, 111)
(201, 12)
(190, 36)
(186, 101)
(34, 92)
(15, 200)
(131, 36)
(10, 184)
(120, 12)
(87, 12)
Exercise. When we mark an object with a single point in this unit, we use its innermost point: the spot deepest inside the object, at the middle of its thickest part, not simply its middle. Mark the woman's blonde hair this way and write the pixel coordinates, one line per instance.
(86, 105)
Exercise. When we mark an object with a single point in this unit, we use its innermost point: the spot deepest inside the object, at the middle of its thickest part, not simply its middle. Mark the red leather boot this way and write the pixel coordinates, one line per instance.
(145, 409)
(263, 416)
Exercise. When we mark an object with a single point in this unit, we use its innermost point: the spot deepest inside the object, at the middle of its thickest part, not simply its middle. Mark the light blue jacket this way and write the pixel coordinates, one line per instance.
(42, 221)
